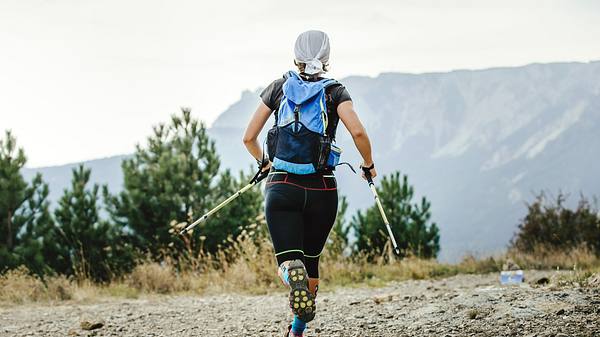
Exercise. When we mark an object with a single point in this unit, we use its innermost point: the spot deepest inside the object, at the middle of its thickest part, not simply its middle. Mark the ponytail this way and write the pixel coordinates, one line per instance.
(301, 66)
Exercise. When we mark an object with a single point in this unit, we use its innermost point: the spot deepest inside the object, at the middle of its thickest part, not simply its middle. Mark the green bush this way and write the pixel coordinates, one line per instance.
(550, 224)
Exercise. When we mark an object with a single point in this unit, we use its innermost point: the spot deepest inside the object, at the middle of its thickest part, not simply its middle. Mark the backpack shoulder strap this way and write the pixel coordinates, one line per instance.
(291, 73)
(285, 76)
(330, 82)
(332, 115)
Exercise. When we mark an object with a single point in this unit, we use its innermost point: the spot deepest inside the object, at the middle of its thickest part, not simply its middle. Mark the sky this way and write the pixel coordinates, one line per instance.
(83, 79)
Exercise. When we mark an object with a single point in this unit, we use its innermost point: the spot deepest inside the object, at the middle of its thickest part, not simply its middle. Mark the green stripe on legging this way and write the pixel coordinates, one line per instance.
(313, 256)
(289, 251)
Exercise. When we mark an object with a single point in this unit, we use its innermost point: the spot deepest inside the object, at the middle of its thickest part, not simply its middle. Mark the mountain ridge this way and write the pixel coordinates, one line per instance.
(477, 143)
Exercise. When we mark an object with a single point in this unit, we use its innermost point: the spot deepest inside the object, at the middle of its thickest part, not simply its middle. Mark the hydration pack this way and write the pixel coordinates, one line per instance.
(300, 142)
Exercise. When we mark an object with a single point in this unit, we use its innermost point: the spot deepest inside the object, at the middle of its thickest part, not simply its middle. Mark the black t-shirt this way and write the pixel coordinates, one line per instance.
(337, 94)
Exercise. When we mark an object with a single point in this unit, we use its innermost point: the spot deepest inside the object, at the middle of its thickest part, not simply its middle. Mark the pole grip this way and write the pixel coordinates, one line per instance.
(367, 172)
(261, 176)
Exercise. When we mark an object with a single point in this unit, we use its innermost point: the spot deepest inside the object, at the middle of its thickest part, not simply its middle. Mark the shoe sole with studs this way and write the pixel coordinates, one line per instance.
(302, 300)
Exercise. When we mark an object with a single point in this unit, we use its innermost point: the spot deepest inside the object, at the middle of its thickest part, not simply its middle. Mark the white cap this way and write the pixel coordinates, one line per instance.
(312, 49)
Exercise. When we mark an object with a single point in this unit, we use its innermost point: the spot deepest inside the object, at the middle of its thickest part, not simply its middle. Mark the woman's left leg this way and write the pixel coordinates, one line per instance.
(319, 218)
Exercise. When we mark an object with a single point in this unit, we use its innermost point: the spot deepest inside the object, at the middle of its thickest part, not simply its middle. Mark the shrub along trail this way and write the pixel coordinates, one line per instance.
(464, 305)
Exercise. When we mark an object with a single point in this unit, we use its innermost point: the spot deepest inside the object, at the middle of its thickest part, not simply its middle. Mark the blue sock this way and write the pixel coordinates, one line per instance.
(285, 274)
(298, 326)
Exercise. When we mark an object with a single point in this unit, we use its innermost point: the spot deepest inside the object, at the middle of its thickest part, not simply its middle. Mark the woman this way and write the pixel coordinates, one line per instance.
(301, 199)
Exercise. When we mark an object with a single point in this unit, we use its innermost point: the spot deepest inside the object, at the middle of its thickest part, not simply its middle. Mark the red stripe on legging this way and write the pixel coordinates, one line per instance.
(306, 188)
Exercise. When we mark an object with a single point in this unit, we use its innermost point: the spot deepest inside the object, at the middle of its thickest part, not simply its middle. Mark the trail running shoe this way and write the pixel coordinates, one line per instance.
(302, 301)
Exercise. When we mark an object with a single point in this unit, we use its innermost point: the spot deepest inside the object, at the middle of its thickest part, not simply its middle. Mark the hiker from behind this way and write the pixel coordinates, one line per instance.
(301, 190)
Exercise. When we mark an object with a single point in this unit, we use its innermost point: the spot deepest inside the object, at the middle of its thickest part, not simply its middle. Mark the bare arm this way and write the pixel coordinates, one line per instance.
(257, 122)
(351, 121)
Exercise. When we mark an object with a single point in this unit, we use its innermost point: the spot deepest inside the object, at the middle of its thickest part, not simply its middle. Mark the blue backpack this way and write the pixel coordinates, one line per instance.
(299, 142)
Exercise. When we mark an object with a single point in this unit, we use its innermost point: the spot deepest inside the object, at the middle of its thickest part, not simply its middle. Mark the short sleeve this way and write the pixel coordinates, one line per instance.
(339, 95)
(271, 95)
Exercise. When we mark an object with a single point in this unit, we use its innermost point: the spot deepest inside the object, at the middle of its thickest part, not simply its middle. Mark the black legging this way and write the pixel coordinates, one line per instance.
(300, 211)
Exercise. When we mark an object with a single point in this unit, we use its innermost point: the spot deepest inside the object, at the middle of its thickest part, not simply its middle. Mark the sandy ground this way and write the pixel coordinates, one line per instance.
(464, 305)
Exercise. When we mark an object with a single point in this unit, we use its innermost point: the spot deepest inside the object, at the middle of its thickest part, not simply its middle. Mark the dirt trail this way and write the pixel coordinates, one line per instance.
(464, 305)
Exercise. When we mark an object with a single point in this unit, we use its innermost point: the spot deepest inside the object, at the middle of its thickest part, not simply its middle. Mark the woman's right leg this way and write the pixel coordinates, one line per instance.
(284, 213)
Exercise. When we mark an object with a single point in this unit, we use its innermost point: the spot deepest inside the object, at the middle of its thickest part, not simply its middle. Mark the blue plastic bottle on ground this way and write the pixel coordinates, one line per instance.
(511, 277)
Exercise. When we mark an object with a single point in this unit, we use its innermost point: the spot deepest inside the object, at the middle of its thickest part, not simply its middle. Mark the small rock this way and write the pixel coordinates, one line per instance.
(542, 280)
(594, 280)
(87, 325)
(560, 311)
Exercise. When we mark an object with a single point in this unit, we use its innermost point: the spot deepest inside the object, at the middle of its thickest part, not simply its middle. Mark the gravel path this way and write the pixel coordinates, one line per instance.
(464, 305)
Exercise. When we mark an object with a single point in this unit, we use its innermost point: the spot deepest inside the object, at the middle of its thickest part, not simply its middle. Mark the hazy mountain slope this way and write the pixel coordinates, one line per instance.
(478, 144)
(104, 171)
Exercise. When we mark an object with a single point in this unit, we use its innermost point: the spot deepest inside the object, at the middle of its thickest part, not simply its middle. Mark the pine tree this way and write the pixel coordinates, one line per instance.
(172, 181)
(410, 221)
(35, 247)
(231, 220)
(86, 245)
(23, 207)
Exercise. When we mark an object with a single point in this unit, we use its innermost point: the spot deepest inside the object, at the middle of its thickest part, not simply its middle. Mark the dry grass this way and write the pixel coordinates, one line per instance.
(19, 286)
(543, 257)
(248, 266)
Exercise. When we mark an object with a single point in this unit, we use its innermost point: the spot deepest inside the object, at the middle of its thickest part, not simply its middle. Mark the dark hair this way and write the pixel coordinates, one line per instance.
(301, 66)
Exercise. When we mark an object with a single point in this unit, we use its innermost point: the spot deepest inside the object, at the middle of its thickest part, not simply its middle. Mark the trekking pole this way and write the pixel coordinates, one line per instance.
(367, 172)
(260, 175)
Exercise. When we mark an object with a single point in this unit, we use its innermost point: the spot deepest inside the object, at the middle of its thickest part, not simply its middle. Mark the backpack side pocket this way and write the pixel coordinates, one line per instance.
(323, 153)
(272, 142)
(334, 156)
